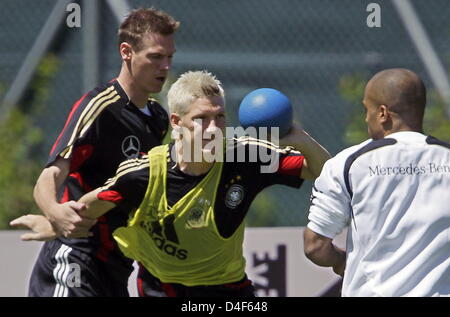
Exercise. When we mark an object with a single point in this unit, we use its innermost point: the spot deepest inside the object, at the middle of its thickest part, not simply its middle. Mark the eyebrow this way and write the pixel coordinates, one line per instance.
(160, 51)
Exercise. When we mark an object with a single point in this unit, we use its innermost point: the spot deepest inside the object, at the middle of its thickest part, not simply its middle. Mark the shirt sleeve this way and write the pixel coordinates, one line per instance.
(330, 208)
(280, 165)
(128, 186)
(74, 142)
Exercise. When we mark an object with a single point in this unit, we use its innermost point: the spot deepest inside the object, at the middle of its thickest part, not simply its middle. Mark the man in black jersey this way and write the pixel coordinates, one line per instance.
(106, 126)
(188, 227)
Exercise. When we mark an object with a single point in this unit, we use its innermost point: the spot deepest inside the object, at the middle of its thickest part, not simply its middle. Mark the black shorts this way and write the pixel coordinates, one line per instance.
(150, 286)
(61, 271)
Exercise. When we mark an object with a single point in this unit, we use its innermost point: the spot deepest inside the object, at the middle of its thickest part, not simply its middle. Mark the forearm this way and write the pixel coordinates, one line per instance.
(43, 230)
(45, 197)
(315, 154)
(94, 207)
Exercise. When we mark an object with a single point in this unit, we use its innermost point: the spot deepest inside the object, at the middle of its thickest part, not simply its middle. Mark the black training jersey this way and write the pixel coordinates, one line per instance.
(103, 129)
(239, 184)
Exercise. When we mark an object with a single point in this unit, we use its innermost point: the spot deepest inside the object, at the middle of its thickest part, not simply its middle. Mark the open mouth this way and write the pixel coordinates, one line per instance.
(161, 78)
(208, 139)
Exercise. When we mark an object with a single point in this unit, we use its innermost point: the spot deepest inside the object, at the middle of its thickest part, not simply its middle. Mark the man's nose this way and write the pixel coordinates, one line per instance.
(212, 128)
(166, 64)
(212, 125)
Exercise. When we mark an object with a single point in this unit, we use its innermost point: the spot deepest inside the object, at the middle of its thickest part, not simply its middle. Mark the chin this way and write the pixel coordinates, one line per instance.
(154, 88)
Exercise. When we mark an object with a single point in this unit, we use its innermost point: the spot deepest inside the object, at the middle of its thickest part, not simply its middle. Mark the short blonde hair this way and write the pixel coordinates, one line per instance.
(190, 86)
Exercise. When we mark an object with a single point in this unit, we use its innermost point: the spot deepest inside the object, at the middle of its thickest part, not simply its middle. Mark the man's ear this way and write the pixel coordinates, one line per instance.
(383, 113)
(126, 51)
(175, 122)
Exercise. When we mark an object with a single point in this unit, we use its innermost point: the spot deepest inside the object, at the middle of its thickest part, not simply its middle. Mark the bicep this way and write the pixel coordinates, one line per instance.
(56, 173)
(63, 168)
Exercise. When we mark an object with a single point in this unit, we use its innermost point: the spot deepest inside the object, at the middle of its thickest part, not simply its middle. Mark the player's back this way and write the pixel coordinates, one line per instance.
(400, 234)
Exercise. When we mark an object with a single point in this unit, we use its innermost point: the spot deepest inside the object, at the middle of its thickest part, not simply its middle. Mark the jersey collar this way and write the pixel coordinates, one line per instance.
(120, 91)
(406, 136)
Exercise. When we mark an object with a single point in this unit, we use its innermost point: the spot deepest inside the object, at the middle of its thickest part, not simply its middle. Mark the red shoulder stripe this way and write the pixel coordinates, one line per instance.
(291, 165)
(74, 109)
(110, 195)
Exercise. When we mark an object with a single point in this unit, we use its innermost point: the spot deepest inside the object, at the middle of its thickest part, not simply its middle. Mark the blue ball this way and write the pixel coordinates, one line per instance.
(266, 107)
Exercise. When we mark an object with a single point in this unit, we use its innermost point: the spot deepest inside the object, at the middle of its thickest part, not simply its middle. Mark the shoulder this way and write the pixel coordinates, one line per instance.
(337, 163)
(338, 167)
(130, 170)
(133, 164)
(105, 94)
(350, 154)
(435, 141)
(97, 101)
(345, 153)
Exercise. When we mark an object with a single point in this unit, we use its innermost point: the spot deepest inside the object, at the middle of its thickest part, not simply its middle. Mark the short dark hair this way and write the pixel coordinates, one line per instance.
(142, 21)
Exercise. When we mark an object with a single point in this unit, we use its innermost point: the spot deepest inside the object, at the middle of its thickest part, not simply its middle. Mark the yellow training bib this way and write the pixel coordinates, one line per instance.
(181, 244)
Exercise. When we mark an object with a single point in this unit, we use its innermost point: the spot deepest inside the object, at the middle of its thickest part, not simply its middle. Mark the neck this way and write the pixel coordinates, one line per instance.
(403, 126)
(190, 168)
(136, 95)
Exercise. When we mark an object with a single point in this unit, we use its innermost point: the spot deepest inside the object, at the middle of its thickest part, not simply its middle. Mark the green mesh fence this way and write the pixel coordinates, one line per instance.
(301, 47)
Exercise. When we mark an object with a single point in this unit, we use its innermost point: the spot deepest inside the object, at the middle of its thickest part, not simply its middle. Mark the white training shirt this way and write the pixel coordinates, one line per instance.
(394, 194)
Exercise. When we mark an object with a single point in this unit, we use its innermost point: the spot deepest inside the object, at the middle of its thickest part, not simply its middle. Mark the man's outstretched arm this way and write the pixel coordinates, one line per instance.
(42, 229)
(315, 154)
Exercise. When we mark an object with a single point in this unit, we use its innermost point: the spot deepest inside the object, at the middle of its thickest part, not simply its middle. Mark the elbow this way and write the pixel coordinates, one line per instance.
(315, 246)
(311, 250)
(321, 251)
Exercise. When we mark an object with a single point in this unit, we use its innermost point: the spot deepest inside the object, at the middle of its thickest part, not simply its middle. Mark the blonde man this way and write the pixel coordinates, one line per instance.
(188, 227)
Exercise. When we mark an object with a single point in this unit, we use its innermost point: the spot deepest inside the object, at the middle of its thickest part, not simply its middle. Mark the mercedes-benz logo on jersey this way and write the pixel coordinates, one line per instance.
(130, 146)
(235, 196)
